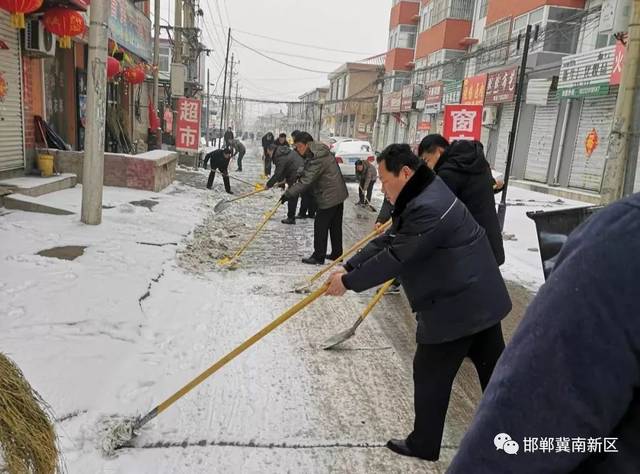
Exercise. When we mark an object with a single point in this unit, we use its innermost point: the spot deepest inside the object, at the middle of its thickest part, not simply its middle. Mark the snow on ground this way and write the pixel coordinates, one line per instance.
(145, 309)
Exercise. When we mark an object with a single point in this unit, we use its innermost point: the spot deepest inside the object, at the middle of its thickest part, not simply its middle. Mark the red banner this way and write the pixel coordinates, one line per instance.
(424, 126)
(188, 125)
(462, 122)
(473, 90)
(618, 59)
(501, 86)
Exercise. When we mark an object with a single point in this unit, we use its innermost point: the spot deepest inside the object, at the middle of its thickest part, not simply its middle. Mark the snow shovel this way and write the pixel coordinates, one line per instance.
(122, 433)
(344, 335)
(254, 185)
(304, 287)
(227, 261)
(225, 203)
(367, 202)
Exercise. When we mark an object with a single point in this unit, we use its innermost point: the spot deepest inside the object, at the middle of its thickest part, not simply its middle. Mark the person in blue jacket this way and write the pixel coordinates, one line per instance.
(571, 374)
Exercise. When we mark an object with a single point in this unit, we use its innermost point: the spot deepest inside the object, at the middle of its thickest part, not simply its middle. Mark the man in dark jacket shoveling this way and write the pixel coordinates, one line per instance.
(322, 175)
(289, 165)
(464, 168)
(451, 279)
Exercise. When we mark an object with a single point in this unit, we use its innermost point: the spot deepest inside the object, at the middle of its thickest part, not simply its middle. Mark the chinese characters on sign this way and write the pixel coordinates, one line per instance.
(452, 92)
(570, 445)
(616, 73)
(188, 125)
(501, 86)
(396, 102)
(462, 122)
(473, 90)
(433, 97)
(407, 98)
(586, 74)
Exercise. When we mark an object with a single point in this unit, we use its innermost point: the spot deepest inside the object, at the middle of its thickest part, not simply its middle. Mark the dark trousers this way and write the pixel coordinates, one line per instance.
(225, 176)
(292, 205)
(308, 205)
(240, 156)
(267, 166)
(434, 368)
(369, 192)
(328, 222)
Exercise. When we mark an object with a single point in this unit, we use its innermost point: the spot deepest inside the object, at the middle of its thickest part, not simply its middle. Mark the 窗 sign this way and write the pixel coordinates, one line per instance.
(586, 74)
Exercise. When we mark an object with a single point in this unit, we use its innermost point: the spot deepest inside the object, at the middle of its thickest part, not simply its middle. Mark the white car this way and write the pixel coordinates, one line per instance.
(347, 153)
(335, 141)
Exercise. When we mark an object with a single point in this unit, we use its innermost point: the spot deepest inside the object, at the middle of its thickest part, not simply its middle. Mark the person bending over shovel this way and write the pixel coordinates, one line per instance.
(219, 161)
(451, 278)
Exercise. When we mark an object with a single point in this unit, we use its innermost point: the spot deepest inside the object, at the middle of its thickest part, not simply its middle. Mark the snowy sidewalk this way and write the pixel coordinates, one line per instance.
(123, 326)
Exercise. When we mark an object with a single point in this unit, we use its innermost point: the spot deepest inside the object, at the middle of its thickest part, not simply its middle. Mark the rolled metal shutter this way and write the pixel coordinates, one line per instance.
(506, 121)
(597, 113)
(413, 128)
(391, 130)
(541, 144)
(11, 124)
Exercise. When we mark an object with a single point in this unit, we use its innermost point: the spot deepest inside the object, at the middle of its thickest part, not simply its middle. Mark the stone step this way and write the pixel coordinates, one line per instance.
(30, 204)
(37, 186)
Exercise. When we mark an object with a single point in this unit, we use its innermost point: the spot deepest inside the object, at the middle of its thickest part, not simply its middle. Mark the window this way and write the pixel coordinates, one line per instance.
(439, 11)
(493, 36)
(443, 9)
(407, 37)
(425, 17)
(164, 59)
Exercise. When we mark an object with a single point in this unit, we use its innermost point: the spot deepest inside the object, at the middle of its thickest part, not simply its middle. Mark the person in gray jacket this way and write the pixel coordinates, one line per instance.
(451, 279)
(322, 175)
(289, 166)
(366, 174)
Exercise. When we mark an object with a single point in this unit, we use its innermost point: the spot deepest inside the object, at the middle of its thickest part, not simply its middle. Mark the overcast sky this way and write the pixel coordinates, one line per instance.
(358, 26)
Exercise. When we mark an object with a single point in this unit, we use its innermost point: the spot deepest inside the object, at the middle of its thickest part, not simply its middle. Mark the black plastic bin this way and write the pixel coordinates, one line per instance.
(554, 227)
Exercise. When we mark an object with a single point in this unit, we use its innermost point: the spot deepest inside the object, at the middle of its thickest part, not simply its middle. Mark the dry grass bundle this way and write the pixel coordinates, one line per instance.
(28, 442)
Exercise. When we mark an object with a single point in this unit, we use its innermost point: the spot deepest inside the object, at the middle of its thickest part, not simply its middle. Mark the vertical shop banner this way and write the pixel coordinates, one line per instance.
(433, 97)
(618, 60)
(407, 98)
(462, 122)
(473, 90)
(452, 92)
(396, 102)
(188, 125)
(501, 86)
(386, 103)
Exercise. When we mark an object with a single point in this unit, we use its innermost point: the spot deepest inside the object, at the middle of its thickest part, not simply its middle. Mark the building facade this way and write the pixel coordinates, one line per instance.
(469, 52)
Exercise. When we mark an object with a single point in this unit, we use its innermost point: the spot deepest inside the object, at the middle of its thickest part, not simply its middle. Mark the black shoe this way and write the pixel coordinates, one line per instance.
(399, 446)
(312, 261)
(288, 221)
(332, 258)
(230, 192)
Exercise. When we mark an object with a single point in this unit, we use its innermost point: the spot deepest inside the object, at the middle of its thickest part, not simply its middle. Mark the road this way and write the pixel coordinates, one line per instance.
(285, 405)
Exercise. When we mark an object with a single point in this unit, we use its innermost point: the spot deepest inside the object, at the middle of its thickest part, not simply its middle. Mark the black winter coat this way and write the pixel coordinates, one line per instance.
(267, 140)
(289, 165)
(572, 368)
(443, 259)
(228, 136)
(216, 158)
(465, 170)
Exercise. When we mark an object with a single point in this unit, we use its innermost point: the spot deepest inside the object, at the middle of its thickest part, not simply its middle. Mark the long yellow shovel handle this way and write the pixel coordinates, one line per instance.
(266, 219)
(374, 301)
(238, 350)
(246, 195)
(351, 250)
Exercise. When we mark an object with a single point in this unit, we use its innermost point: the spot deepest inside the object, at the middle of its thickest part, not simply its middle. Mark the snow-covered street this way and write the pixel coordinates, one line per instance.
(144, 309)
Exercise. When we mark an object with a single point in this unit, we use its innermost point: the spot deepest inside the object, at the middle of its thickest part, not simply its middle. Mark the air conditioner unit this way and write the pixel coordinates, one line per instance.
(489, 115)
(38, 42)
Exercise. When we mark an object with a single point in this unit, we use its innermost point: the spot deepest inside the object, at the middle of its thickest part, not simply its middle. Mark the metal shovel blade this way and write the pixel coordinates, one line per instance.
(339, 338)
(221, 206)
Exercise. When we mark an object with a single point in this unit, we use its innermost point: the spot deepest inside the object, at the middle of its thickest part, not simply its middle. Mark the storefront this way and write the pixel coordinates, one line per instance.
(11, 111)
(587, 77)
(541, 93)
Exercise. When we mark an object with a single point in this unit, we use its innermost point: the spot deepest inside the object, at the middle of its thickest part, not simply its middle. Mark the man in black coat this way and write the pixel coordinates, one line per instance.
(451, 279)
(289, 166)
(571, 373)
(228, 137)
(219, 161)
(322, 175)
(267, 141)
(463, 167)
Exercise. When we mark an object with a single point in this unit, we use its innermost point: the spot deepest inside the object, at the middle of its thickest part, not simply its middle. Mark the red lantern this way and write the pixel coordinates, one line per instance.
(18, 8)
(113, 67)
(134, 75)
(65, 23)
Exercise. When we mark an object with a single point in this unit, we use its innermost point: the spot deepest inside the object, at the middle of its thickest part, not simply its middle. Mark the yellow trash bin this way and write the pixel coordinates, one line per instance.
(45, 165)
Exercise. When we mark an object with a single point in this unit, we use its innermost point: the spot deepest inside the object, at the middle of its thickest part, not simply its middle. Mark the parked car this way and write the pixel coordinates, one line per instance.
(348, 152)
(334, 141)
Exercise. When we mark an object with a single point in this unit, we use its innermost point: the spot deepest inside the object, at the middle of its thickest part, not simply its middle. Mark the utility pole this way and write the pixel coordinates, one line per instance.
(320, 120)
(156, 61)
(93, 163)
(177, 28)
(224, 87)
(230, 88)
(619, 149)
(502, 207)
(236, 115)
(207, 111)
(376, 125)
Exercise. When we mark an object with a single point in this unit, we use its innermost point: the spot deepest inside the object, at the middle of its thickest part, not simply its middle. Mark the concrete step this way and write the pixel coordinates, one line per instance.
(31, 204)
(37, 186)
